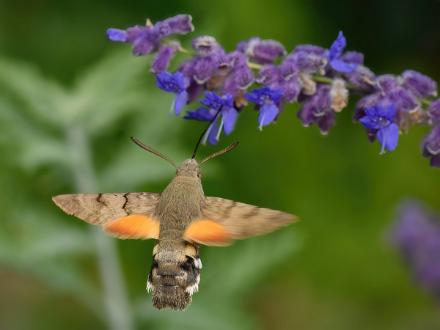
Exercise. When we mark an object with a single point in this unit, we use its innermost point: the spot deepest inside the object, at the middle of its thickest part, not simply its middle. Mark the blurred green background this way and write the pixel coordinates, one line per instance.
(69, 100)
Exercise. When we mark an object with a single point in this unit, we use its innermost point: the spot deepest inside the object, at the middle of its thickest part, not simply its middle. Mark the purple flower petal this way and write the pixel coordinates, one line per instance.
(326, 122)
(171, 82)
(243, 76)
(205, 45)
(180, 24)
(387, 83)
(144, 44)
(362, 78)
(403, 99)
(268, 113)
(387, 111)
(164, 55)
(310, 49)
(388, 137)
(369, 122)
(291, 89)
(180, 102)
(309, 62)
(337, 47)
(204, 68)
(201, 114)
(431, 143)
(419, 84)
(434, 111)
(230, 116)
(342, 66)
(213, 101)
(213, 133)
(306, 113)
(435, 161)
(117, 35)
(353, 57)
(268, 74)
(264, 95)
(265, 51)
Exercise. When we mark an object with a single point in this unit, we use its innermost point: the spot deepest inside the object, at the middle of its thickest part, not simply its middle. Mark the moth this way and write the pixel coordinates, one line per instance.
(181, 218)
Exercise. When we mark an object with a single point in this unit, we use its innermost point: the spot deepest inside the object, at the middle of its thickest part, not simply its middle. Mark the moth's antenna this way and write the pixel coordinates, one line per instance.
(204, 133)
(149, 149)
(221, 152)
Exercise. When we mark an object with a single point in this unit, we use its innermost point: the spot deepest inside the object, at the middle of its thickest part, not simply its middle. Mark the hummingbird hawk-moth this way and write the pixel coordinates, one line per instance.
(181, 218)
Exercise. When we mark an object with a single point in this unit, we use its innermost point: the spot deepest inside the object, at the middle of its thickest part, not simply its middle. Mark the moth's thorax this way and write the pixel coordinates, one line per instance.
(179, 205)
(175, 274)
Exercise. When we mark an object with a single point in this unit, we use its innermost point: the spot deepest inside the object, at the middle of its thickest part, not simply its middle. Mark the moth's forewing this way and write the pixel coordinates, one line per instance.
(102, 208)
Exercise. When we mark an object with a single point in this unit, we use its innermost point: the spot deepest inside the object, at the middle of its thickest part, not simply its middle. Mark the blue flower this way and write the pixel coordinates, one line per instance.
(220, 111)
(337, 62)
(174, 83)
(380, 119)
(268, 100)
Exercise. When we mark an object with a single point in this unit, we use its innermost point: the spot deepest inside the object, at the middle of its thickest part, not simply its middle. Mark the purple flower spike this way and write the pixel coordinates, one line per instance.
(175, 83)
(381, 120)
(164, 56)
(431, 146)
(268, 100)
(419, 84)
(335, 56)
(416, 234)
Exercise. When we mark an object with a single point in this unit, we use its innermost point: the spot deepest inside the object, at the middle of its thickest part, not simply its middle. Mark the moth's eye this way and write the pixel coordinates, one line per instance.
(199, 175)
(154, 263)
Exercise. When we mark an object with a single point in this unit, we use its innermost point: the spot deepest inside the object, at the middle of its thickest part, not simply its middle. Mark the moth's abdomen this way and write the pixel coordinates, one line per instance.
(174, 276)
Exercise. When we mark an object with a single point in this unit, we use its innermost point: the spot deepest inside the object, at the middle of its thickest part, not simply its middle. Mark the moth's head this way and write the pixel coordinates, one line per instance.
(175, 275)
(190, 168)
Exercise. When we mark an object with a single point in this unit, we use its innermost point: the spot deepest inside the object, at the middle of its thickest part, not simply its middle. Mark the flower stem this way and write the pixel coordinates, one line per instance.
(119, 314)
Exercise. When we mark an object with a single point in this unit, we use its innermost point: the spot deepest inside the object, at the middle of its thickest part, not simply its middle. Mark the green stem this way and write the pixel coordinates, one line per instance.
(119, 314)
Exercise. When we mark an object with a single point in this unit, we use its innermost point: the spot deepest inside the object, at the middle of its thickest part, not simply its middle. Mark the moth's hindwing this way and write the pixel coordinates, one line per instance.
(124, 215)
(225, 220)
